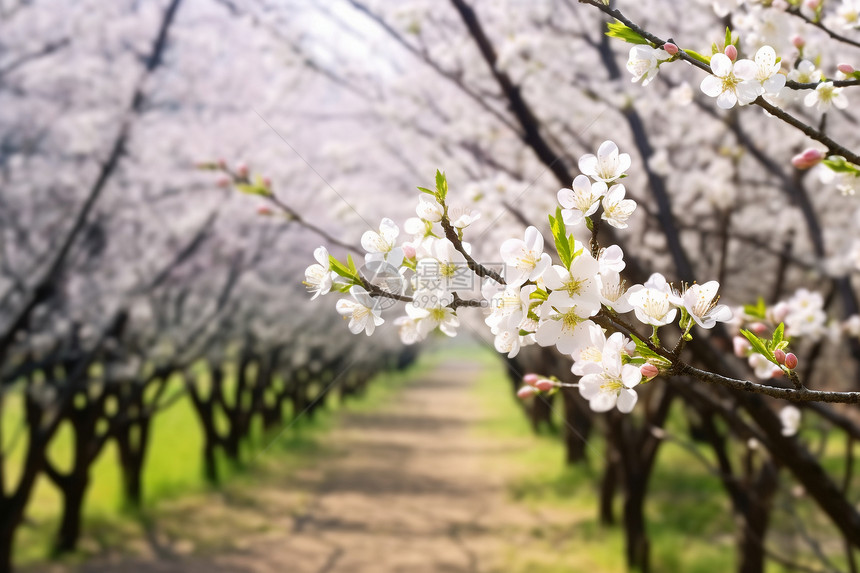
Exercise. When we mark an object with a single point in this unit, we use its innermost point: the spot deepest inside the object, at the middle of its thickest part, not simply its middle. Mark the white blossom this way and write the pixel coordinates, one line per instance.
(613, 385)
(429, 209)
(382, 245)
(731, 83)
(767, 71)
(361, 310)
(644, 62)
(617, 209)
(825, 96)
(430, 317)
(574, 286)
(700, 301)
(318, 276)
(790, 418)
(607, 166)
(524, 258)
(581, 200)
(462, 217)
(653, 301)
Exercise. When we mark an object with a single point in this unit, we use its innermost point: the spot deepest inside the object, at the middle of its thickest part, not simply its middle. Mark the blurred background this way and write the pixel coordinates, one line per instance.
(173, 401)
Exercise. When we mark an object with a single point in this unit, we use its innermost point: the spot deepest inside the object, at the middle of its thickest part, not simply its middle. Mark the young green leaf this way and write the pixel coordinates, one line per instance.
(760, 346)
(778, 335)
(757, 310)
(341, 269)
(441, 186)
(559, 235)
(622, 32)
(839, 164)
(250, 189)
(698, 56)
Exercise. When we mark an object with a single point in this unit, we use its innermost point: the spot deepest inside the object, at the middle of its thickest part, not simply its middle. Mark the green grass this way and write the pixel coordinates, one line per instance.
(690, 522)
(173, 466)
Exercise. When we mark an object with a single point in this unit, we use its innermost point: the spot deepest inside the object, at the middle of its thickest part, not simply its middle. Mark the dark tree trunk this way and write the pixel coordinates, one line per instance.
(205, 412)
(577, 426)
(70, 524)
(638, 546)
(609, 486)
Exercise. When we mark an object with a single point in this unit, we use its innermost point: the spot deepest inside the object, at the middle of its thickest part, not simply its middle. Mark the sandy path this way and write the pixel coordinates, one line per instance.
(405, 489)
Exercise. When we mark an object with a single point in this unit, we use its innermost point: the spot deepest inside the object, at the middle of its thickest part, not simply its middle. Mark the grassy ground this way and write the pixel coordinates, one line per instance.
(173, 467)
(689, 518)
(690, 523)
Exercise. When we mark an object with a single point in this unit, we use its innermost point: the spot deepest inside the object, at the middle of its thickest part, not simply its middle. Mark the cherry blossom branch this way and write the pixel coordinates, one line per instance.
(476, 267)
(797, 394)
(801, 394)
(812, 85)
(377, 292)
(838, 37)
(241, 179)
(833, 147)
(294, 216)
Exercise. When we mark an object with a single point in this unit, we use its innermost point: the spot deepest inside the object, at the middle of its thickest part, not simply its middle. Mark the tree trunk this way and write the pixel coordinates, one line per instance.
(609, 487)
(577, 427)
(70, 523)
(638, 547)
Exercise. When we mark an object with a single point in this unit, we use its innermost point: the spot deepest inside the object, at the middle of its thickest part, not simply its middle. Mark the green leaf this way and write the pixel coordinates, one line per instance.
(341, 269)
(698, 56)
(538, 294)
(428, 191)
(622, 32)
(351, 264)
(760, 346)
(645, 352)
(839, 164)
(778, 335)
(250, 189)
(559, 235)
(441, 186)
(728, 37)
(756, 311)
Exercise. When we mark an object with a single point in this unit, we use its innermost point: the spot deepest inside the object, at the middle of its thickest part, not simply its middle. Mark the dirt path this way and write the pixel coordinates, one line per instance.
(405, 489)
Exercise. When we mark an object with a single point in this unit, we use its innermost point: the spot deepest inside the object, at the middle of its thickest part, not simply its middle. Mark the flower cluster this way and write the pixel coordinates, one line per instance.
(800, 316)
(532, 299)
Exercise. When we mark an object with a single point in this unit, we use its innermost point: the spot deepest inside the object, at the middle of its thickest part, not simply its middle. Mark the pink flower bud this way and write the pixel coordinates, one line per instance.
(790, 361)
(526, 392)
(798, 42)
(242, 170)
(812, 4)
(845, 68)
(222, 164)
(741, 346)
(544, 385)
(530, 379)
(779, 355)
(648, 370)
(731, 52)
(758, 327)
(806, 159)
(265, 211)
(409, 253)
(223, 181)
(670, 48)
(777, 372)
